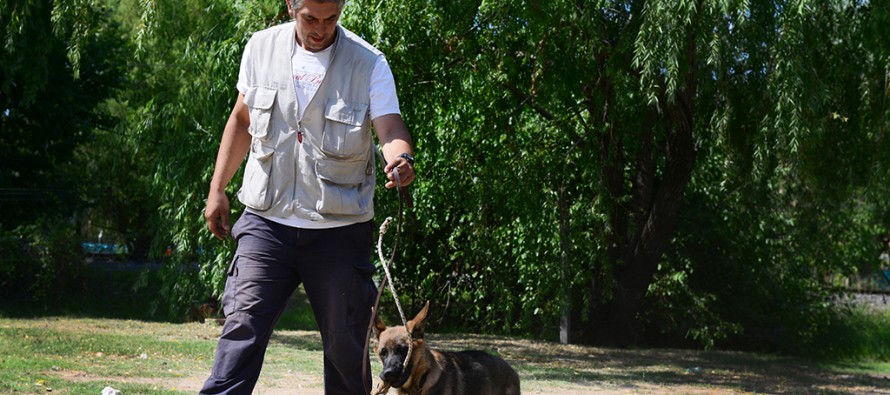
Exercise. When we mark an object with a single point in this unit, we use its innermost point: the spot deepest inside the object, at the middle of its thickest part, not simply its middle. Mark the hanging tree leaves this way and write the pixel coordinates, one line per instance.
(621, 110)
(683, 169)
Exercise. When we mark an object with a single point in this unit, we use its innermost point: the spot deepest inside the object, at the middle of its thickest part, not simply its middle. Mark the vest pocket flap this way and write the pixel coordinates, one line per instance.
(345, 112)
(259, 100)
(260, 97)
(343, 172)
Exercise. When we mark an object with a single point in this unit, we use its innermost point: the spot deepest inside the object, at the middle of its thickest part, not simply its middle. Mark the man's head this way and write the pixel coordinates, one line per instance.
(316, 22)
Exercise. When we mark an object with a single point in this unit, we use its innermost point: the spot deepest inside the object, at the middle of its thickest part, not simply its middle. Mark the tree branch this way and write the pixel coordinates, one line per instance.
(527, 100)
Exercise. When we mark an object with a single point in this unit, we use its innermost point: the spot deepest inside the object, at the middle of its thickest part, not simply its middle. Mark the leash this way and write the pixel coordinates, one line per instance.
(403, 195)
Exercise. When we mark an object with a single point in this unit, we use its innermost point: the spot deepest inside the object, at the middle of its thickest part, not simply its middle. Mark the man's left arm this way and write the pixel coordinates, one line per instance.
(395, 140)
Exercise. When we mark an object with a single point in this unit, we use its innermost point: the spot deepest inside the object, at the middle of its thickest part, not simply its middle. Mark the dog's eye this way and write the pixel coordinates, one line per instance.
(383, 352)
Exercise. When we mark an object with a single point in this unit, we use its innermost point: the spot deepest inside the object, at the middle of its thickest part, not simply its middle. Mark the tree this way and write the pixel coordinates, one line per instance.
(594, 115)
(186, 64)
(646, 168)
(59, 63)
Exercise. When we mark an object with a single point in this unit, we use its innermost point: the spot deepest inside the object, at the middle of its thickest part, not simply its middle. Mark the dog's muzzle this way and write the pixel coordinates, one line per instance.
(394, 375)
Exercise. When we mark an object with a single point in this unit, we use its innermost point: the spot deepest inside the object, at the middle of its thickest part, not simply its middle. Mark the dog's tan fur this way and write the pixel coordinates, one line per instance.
(432, 372)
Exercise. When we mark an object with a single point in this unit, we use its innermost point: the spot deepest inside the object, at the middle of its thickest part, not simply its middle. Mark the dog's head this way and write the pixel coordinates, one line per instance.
(392, 347)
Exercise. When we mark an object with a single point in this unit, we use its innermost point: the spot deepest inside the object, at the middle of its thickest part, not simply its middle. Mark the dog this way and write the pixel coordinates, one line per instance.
(431, 372)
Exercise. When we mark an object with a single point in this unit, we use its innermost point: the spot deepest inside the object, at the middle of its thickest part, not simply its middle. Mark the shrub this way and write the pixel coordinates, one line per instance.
(854, 333)
(40, 262)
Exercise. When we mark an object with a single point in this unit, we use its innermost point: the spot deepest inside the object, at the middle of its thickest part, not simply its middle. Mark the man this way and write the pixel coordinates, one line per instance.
(309, 91)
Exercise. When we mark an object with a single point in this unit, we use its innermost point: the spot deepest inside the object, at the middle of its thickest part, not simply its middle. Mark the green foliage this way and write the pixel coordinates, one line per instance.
(42, 262)
(690, 170)
(474, 245)
(26, 48)
(852, 334)
(758, 244)
(176, 124)
(513, 103)
(50, 107)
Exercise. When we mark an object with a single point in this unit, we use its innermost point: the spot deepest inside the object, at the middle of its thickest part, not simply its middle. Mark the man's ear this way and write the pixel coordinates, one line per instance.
(290, 10)
(379, 327)
(415, 326)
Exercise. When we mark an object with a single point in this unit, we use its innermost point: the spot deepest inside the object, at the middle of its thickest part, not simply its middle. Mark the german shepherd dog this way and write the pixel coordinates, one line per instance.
(430, 372)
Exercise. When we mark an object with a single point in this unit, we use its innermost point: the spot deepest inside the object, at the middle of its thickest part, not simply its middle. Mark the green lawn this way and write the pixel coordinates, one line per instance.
(83, 355)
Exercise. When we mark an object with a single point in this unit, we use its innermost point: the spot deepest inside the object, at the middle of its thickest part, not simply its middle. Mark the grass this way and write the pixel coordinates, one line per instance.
(856, 334)
(61, 349)
(64, 354)
(83, 355)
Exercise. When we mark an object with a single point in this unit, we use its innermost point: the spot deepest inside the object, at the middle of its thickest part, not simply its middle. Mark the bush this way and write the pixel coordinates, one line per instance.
(854, 333)
(40, 262)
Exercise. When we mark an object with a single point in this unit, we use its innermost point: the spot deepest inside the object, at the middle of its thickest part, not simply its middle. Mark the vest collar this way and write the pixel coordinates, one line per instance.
(289, 41)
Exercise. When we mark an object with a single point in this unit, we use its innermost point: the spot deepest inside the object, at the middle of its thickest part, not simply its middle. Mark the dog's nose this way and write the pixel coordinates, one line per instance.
(390, 375)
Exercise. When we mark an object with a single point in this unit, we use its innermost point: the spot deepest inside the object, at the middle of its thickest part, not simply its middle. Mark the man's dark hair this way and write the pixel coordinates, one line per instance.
(297, 4)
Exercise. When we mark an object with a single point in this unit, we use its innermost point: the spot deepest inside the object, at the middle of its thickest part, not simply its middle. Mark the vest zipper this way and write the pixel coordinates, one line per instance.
(299, 131)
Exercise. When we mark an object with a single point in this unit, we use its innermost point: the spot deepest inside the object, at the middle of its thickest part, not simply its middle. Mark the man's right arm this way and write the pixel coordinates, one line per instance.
(232, 150)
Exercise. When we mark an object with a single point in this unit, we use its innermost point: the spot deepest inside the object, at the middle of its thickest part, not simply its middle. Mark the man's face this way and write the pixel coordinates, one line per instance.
(316, 24)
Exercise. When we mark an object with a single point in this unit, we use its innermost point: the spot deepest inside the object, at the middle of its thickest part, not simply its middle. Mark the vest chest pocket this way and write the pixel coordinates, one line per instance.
(255, 191)
(342, 187)
(344, 135)
(259, 100)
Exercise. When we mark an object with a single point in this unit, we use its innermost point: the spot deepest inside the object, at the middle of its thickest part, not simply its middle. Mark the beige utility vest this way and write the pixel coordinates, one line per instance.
(320, 167)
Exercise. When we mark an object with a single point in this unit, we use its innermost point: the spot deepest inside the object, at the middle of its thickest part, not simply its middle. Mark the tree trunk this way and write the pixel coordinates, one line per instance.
(642, 228)
(565, 320)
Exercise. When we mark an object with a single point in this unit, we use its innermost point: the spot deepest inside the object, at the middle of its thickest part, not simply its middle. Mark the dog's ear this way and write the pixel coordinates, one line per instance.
(379, 326)
(415, 326)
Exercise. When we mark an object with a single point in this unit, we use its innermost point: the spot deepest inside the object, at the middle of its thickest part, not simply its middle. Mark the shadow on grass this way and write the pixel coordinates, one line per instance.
(757, 373)
(304, 340)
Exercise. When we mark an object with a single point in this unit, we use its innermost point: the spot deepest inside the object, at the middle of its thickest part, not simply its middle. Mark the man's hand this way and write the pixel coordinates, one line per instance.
(395, 141)
(406, 172)
(217, 215)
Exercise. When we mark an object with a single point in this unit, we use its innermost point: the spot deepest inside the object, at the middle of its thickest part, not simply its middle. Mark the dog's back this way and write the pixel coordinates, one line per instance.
(475, 372)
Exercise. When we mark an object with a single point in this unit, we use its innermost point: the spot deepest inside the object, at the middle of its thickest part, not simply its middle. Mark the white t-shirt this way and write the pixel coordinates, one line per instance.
(309, 69)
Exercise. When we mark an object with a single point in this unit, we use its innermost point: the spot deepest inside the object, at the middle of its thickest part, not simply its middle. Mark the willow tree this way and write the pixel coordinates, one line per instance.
(559, 138)
(559, 143)
(185, 65)
(58, 63)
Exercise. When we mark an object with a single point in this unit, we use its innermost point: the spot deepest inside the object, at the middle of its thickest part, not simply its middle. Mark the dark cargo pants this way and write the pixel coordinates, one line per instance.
(334, 266)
